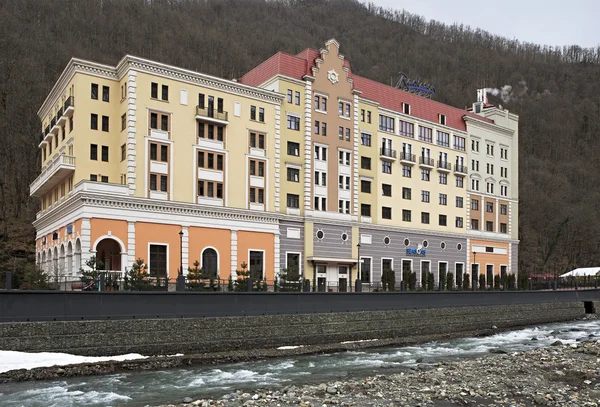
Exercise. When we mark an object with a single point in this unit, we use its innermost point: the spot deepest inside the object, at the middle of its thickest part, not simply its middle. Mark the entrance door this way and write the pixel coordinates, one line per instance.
(342, 279)
(474, 275)
(490, 275)
(321, 282)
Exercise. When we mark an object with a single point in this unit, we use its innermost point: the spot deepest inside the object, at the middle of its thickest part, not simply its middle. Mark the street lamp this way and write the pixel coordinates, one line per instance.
(474, 277)
(180, 277)
(358, 283)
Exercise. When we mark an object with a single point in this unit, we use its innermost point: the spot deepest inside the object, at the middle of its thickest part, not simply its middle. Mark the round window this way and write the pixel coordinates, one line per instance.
(386, 240)
(320, 234)
(425, 243)
(459, 247)
(344, 236)
(443, 245)
(406, 242)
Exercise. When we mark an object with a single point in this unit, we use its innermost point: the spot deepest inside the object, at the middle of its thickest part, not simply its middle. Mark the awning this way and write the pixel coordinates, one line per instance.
(582, 272)
(331, 260)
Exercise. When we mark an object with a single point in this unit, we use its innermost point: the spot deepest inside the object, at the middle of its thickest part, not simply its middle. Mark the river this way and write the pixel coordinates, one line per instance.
(143, 388)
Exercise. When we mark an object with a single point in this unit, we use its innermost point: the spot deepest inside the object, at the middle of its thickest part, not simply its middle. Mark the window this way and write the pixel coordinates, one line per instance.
(503, 190)
(320, 153)
(165, 93)
(490, 149)
(459, 201)
(257, 140)
(207, 160)
(459, 182)
(425, 175)
(210, 189)
(321, 178)
(406, 193)
(164, 153)
(406, 171)
(490, 188)
(209, 262)
(341, 133)
(104, 123)
(365, 186)
(503, 228)
(489, 207)
(293, 201)
(123, 152)
(347, 134)
(323, 103)
(503, 209)
(368, 116)
(70, 124)
(386, 189)
(95, 91)
(152, 182)
(443, 220)
(201, 101)
(442, 119)
(475, 204)
(163, 183)
(443, 199)
(386, 167)
(261, 114)
(489, 226)
(297, 98)
(459, 143)
(252, 112)
(123, 122)
(425, 134)
(293, 148)
(475, 224)
(444, 179)
(94, 121)
(365, 270)
(164, 122)
(257, 195)
(154, 90)
(386, 212)
(344, 206)
(105, 153)
(289, 95)
(323, 203)
(362, 115)
(317, 126)
(406, 215)
(344, 182)
(475, 146)
(344, 157)
(93, 177)
(425, 196)
(344, 109)
(425, 218)
(407, 129)
(443, 139)
(323, 129)
(475, 184)
(105, 93)
(405, 108)
(104, 179)
(459, 222)
(293, 174)
(94, 152)
(386, 123)
(490, 169)
(317, 102)
(365, 163)
(154, 153)
(365, 210)
(293, 122)
(365, 139)
(158, 260)
(154, 122)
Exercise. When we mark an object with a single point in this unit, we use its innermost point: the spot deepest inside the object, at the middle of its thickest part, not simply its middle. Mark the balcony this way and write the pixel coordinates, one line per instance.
(47, 135)
(212, 115)
(42, 139)
(60, 117)
(54, 128)
(460, 169)
(426, 162)
(52, 175)
(444, 166)
(69, 106)
(387, 154)
(407, 158)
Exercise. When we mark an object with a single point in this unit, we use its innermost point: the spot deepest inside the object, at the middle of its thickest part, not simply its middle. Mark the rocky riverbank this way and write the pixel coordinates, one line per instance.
(561, 375)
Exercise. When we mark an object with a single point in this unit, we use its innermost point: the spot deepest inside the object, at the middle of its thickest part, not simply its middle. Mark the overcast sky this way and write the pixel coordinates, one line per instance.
(550, 22)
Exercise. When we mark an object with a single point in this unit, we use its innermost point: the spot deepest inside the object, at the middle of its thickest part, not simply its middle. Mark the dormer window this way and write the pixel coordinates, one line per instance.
(443, 119)
(406, 108)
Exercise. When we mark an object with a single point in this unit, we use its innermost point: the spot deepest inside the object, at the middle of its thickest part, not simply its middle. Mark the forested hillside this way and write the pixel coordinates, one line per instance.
(556, 91)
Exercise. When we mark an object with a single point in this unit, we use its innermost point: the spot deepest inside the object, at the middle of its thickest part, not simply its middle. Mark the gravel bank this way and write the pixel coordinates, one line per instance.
(561, 375)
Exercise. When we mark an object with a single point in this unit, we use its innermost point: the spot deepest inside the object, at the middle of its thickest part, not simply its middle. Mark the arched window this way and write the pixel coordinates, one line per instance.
(210, 263)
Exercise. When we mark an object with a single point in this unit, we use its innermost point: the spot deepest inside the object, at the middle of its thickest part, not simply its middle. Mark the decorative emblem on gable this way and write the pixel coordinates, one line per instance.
(333, 77)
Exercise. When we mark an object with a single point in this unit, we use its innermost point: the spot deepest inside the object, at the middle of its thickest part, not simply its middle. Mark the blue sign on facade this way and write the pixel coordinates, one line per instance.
(69, 229)
(415, 252)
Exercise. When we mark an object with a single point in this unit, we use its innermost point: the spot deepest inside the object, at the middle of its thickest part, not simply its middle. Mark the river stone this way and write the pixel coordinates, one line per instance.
(331, 390)
(188, 400)
(556, 343)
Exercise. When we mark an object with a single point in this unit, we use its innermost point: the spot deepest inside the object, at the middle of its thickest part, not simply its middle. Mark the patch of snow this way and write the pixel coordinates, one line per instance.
(363, 340)
(290, 347)
(11, 360)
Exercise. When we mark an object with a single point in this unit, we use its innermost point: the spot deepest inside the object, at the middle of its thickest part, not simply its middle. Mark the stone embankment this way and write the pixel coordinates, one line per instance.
(561, 375)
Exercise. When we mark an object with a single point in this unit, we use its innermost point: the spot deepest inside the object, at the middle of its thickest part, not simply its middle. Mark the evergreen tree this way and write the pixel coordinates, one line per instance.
(194, 277)
(136, 278)
(89, 276)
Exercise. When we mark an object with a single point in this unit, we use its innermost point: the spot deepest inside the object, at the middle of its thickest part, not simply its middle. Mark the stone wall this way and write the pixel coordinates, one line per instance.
(191, 335)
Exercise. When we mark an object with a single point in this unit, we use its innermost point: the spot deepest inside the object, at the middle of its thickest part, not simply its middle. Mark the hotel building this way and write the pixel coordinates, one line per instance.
(297, 162)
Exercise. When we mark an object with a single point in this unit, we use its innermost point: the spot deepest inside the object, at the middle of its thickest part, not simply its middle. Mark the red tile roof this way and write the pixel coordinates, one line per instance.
(388, 97)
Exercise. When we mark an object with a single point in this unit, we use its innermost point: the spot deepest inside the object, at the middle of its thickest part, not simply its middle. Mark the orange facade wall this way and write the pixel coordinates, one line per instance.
(100, 227)
(146, 233)
(62, 237)
(257, 241)
(219, 239)
(483, 259)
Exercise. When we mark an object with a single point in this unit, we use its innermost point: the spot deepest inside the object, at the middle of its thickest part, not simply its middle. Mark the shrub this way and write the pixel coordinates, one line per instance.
(230, 283)
(89, 276)
(34, 278)
(430, 281)
(466, 282)
(482, 281)
(194, 277)
(136, 278)
(450, 281)
(497, 280)
(388, 280)
(459, 280)
(290, 279)
(511, 281)
(423, 280)
(442, 280)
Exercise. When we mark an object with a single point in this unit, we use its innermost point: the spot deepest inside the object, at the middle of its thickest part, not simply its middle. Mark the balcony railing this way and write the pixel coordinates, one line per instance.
(387, 152)
(426, 161)
(70, 102)
(459, 147)
(60, 113)
(212, 113)
(404, 156)
(460, 168)
(444, 165)
(53, 122)
(52, 175)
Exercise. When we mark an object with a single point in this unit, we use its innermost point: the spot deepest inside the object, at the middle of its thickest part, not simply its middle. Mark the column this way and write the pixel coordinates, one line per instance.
(277, 156)
(307, 144)
(276, 254)
(86, 252)
(131, 130)
(130, 244)
(185, 249)
(234, 264)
